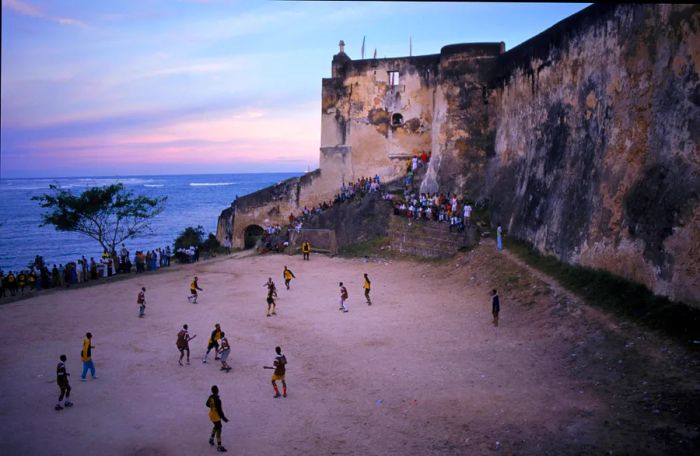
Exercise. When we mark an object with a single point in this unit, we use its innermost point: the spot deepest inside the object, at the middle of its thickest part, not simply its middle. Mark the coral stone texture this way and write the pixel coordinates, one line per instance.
(596, 143)
(582, 140)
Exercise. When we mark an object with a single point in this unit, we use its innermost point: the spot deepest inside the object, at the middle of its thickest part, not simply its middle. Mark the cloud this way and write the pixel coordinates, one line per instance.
(34, 11)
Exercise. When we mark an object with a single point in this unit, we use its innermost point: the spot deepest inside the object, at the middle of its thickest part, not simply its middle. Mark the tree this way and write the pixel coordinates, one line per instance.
(190, 237)
(110, 214)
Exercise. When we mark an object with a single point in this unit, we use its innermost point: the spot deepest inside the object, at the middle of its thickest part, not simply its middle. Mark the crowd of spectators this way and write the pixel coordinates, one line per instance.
(438, 207)
(38, 275)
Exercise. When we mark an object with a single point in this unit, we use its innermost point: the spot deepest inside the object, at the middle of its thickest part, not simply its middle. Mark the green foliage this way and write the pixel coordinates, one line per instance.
(189, 237)
(108, 214)
(602, 289)
(211, 244)
(192, 236)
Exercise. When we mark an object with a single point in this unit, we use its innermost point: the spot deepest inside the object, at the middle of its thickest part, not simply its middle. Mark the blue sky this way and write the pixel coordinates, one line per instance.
(175, 87)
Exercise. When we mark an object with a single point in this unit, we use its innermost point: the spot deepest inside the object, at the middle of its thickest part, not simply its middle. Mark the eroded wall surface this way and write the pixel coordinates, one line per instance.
(380, 118)
(596, 125)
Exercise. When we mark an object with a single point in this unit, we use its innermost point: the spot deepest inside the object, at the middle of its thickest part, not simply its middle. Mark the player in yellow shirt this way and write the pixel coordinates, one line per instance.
(193, 291)
(306, 249)
(367, 286)
(86, 357)
(213, 343)
(288, 275)
(216, 414)
(280, 367)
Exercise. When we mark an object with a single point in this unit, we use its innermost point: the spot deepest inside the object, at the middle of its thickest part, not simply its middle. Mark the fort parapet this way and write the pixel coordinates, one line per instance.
(582, 140)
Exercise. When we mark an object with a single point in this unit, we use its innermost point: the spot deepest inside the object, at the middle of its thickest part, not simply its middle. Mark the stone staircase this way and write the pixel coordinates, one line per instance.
(427, 238)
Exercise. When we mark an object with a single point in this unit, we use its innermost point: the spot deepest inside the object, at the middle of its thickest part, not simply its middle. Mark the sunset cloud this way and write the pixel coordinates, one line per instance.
(160, 86)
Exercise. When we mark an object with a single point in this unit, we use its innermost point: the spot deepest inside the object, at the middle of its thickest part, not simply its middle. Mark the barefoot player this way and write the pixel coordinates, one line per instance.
(216, 414)
(224, 351)
(288, 276)
(367, 286)
(141, 301)
(62, 380)
(183, 344)
(271, 301)
(343, 297)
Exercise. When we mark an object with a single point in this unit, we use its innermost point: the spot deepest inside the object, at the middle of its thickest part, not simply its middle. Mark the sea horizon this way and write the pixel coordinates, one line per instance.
(193, 200)
(107, 176)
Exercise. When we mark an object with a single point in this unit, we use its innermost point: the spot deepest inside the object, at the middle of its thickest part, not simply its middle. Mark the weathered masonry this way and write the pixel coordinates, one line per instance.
(582, 140)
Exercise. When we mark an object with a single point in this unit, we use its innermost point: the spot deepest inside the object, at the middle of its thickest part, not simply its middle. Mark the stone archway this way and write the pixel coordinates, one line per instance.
(251, 236)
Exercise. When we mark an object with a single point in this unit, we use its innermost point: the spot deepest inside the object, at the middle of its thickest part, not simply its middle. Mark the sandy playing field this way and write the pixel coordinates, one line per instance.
(422, 371)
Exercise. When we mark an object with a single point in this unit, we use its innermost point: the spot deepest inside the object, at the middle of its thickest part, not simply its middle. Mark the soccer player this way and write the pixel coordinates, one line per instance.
(62, 380)
(213, 343)
(288, 275)
(141, 301)
(224, 351)
(306, 249)
(271, 289)
(86, 357)
(279, 365)
(183, 344)
(271, 301)
(367, 286)
(343, 298)
(193, 291)
(216, 414)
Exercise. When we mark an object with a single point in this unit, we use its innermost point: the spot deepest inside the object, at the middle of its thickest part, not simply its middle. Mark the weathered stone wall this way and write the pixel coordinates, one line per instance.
(272, 205)
(429, 239)
(360, 109)
(355, 221)
(462, 140)
(596, 124)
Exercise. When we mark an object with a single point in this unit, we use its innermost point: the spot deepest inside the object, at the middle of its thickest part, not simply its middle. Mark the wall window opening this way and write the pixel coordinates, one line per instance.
(393, 78)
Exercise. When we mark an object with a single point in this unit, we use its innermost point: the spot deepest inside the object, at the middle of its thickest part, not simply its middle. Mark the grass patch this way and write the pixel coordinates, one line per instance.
(610, 292)
(372, 247)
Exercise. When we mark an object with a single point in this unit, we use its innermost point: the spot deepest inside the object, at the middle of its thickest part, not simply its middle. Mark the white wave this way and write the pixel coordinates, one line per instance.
(210, 184)
(153, 185)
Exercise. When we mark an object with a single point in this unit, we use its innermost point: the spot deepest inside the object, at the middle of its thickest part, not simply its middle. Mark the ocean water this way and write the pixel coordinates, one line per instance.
(192, 200)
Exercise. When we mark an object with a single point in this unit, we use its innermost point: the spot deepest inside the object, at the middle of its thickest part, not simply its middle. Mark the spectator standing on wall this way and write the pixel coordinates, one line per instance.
(499, 237)
(467, 213)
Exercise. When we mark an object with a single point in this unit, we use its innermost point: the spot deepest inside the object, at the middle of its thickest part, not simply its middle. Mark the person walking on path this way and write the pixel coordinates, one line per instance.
(499, 237)
(62, 380)
(343, 298)
(367, 286)
(288, 276)
(306, 249)
(213, 343)
(224, 351)
(495, 306)
(216, 414)
(141, 301)
(193, 291)
(183, 343)
(280, 367)
(86, 358)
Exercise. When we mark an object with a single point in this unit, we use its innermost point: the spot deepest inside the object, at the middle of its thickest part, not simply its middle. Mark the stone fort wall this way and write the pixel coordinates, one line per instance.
(583, 140)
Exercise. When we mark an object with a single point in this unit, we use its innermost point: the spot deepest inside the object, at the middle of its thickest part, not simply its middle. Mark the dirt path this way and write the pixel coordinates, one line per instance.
(422, 371)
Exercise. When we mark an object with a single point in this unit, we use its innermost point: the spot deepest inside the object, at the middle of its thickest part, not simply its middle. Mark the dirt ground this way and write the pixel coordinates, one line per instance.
(420, 372)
